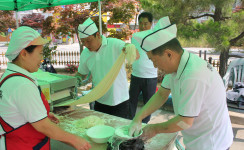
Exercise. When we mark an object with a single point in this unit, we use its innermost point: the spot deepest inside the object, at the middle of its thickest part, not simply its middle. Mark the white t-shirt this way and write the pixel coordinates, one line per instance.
(143, 67)
(21, 101)
(198, 91)
(99, 64)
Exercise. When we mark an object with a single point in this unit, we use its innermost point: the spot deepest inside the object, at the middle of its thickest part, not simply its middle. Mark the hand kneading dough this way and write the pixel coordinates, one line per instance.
(88, 122)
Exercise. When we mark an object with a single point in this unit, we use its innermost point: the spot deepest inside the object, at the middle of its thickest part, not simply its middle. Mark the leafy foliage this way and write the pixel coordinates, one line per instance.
(48, 26)
(70, 18)
(70, 68)
(122, 11)
(48, 51)
(6, 20)
(119, 10)
(123, 34)
(34, 20)
(73, 15)
(221, 26)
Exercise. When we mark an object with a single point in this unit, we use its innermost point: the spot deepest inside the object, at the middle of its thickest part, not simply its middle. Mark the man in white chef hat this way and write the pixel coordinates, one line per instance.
(98, 58)
(198, 93)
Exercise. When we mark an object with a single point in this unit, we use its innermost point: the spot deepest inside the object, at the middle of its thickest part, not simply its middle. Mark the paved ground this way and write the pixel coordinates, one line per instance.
(237, 120)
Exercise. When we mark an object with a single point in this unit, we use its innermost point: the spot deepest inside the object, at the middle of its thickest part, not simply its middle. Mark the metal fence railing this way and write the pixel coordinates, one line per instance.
(61, 58)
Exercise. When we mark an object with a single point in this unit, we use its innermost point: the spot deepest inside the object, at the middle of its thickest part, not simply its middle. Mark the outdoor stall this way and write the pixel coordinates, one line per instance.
(70, 119)
(59, 88)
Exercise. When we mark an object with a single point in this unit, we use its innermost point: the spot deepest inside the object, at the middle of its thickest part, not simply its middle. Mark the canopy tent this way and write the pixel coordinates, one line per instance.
(22, 5)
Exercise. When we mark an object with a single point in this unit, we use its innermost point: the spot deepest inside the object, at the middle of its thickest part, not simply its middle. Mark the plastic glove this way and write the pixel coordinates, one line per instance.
(81, 82)
(131, 53)
(84, 82)
(78, 81)
(135, 128)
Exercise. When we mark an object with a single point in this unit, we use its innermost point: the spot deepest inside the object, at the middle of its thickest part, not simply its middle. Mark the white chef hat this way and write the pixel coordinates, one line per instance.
(21, 38)
(162, 33)
(87, 28)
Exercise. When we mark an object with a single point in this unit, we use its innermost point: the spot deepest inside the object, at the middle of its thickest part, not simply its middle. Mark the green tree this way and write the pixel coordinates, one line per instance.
(223, 29)
(48, 51)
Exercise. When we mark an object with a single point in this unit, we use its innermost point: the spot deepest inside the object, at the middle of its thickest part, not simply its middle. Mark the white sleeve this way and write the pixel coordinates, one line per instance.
(166, 82)
(191, 97)
(133, 41)
(137, 45)
(29, 103)
(117, 45)
(83, 68)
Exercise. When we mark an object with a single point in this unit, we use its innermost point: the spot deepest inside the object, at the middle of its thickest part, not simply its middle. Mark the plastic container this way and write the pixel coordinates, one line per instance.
(100, 133)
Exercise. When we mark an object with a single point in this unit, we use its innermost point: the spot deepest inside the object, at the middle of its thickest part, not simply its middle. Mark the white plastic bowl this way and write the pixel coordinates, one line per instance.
(100, 133)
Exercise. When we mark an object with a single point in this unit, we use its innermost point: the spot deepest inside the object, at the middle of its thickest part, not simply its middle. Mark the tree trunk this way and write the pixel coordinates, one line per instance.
(135, 23)
(224, 56)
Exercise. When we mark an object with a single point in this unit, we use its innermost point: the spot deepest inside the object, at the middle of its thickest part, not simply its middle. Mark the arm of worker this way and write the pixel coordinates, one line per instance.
(192, 96)
(51, 130)
(175, 124)
(83, 69)
(156, 101)
(33, 110)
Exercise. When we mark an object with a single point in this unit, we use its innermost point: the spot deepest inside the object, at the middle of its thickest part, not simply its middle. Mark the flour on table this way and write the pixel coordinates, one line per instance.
(79, 126)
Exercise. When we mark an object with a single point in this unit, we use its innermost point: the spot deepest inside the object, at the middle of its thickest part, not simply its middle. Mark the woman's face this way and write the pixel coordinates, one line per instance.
(33, 60)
